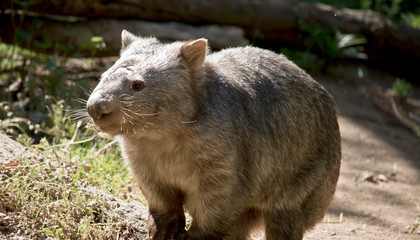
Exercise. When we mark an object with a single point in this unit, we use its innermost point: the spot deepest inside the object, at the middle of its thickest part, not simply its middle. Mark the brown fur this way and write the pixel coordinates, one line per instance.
(237, 137)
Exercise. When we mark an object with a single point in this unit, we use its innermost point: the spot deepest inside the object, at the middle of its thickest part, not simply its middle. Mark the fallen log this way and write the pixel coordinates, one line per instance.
(271, 17)
(393, 46)
(69, 38)
(259, 13)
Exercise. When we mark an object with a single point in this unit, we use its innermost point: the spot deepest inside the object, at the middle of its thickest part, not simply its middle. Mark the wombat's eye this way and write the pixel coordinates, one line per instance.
(137, 85)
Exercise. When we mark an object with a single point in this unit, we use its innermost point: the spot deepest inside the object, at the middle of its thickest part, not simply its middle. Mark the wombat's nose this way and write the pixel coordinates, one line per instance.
(98, 107)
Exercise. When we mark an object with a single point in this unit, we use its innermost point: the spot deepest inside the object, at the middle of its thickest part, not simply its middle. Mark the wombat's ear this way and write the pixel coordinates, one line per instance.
(127, 38)
(194, 53)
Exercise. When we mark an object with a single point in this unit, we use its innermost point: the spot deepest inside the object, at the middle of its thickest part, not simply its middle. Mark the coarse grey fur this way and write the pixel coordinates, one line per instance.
(237, 138)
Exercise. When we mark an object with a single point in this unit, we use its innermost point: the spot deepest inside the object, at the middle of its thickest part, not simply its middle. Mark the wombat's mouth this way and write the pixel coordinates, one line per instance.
(111, 129)
(102, 120)
(106, 123)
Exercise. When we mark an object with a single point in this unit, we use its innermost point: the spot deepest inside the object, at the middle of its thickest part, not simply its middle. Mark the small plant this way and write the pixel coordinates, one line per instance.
(415, 225)
(97, 43)
(330, 45)
(411, 19)
(351, 45)
(256, 36)
(402, 90)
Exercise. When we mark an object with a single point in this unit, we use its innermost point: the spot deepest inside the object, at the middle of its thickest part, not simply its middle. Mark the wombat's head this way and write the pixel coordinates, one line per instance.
(151, 87)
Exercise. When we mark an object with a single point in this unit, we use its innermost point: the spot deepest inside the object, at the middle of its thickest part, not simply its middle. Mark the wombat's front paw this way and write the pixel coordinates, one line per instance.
(165, 228)
(201, 235)
(183, 236)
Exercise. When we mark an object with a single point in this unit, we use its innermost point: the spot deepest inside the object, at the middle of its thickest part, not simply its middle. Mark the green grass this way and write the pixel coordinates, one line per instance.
(43, 195)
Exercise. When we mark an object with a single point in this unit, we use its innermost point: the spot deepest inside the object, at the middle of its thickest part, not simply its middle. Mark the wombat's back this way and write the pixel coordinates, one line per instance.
(284, 125)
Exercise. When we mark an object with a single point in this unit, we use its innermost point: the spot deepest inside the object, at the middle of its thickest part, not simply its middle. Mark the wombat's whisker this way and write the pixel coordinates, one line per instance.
(86, 91)
(126, 112)
(81, 100)
(127, 96)
(77, 116)
(189, 122)
(126, 109)
(81, 110)
(80, 115)
(142, 115)
(84, 120)
(146, 114)
(127, 101)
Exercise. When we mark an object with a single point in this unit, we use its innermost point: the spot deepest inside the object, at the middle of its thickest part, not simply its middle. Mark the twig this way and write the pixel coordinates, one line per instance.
(414, 117)
(398, 114)
(96, 154)
(79, 123)
(9, 166)
(78, 142)
(102, 149)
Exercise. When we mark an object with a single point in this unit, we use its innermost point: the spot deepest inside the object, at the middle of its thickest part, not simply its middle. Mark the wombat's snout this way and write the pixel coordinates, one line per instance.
(98, 107)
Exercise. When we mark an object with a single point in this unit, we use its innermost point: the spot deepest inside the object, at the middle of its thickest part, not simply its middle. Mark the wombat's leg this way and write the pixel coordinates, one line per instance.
(220, 199)
(166, 216)
(166, 225)
(202, 236)
(213, 217)
(204, 233)
(284, 224)
(249, 220)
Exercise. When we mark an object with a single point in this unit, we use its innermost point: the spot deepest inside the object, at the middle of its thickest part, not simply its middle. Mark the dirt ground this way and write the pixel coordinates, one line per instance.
(378, 192)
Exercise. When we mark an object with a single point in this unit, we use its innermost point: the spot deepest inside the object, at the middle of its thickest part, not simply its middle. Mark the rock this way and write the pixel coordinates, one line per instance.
(382, 178)
(368, 177)
(10, 150)
(36, 117)
(134, 214)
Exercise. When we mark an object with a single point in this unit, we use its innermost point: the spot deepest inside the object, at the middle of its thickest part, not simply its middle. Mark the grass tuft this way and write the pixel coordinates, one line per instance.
(43, 196)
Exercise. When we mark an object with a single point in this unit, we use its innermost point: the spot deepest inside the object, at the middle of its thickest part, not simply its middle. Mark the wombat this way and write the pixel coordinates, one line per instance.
(238, 137)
